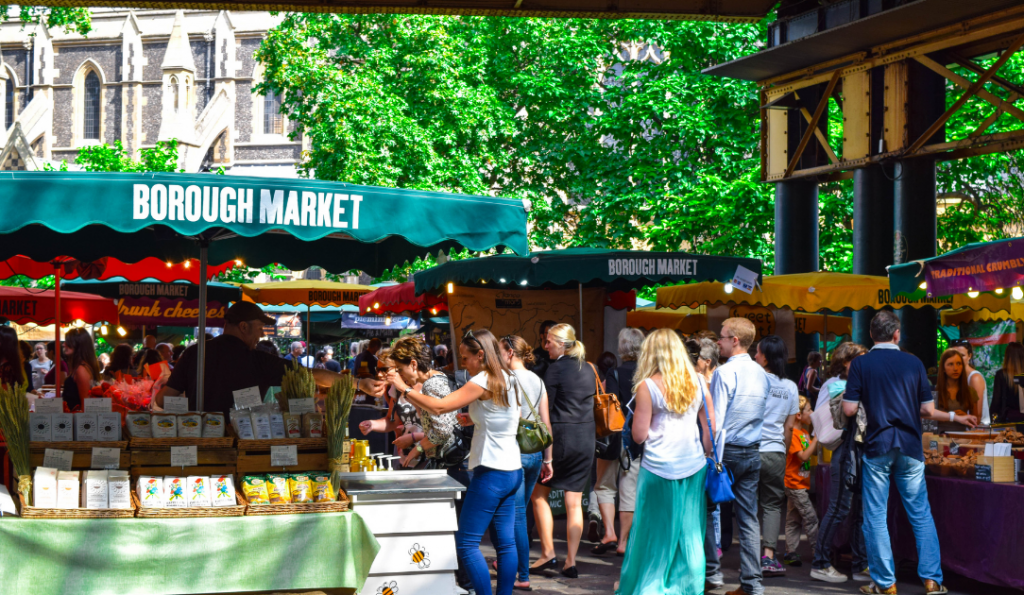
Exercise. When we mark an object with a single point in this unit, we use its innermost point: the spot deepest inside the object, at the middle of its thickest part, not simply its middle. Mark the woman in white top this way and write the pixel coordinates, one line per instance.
(670, 502)
(780, 414)
(40, 365)
(493, 456)
(974, 378)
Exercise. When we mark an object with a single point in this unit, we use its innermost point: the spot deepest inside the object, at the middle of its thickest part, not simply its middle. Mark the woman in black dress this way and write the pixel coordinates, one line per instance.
(571, 386)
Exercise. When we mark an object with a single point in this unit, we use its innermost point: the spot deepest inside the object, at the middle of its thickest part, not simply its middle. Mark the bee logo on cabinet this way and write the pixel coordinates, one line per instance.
(388, 589)
(420, 557)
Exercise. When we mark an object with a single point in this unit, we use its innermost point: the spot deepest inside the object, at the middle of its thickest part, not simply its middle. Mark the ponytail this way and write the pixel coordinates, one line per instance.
(567, 336)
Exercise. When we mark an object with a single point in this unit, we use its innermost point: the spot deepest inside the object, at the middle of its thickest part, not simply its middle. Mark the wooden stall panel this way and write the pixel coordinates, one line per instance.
(387, 518)
(778, 157)
(856, 115)
(414, 553)
(417, 584)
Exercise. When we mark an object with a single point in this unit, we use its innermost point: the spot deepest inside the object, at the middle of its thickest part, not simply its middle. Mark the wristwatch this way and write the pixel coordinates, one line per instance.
(406, 392)
(419, 447)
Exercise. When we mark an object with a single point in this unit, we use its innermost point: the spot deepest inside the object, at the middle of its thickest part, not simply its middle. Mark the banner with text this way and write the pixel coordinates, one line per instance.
(167, 312)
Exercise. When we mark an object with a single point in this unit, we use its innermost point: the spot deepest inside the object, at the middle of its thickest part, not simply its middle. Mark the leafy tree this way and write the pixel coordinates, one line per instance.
(71, 19)
(161, 158)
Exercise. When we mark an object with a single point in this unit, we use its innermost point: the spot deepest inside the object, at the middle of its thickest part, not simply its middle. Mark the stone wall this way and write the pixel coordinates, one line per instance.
(243, 111)
(62, 117)
(154, 54)
(69, 59)
(152, 110)
(112, 113)
(268, 153)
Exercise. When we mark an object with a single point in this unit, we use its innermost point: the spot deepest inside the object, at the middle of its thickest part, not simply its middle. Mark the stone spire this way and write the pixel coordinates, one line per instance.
(179, 53)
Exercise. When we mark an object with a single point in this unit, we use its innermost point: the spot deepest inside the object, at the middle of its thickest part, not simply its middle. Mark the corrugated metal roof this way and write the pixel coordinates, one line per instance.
(891, 25)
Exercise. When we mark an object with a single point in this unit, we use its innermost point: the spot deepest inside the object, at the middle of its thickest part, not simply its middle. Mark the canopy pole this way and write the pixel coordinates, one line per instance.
(57, 352)
(309, 338)
(824, 339)
(201, 366)
(581, 312)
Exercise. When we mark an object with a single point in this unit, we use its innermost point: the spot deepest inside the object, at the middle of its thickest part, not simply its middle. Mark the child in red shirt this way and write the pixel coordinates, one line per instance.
(798, 482)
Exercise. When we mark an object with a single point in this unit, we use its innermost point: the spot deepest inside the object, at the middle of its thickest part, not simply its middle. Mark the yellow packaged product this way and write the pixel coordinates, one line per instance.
(278, 489)
(301, 488)
(322, 489)
(255, 489)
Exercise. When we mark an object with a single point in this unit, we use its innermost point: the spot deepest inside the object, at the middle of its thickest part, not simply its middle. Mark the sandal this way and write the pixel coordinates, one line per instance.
(873, 589)
(603, 548)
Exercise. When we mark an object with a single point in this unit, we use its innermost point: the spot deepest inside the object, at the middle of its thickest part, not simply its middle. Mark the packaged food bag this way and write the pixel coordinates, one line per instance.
(301, 488)
(278, 490)
(95, 493)
(150, 491)
(39, 425)
(223, 491)
(119, 486)
(190, 425)
(255, 489)
(313, 425)
(261, 423)
(138, 425)
(213, 425)
(67, 489)
(44, 488)
(241, 421)
(198, 491)
(85, 427)
(62, 427)
(322, 489)
(175, 490)
(293, 425)
(165, 425)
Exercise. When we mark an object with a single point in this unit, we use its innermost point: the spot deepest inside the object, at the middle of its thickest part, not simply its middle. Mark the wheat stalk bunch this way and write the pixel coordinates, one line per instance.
(14, 424)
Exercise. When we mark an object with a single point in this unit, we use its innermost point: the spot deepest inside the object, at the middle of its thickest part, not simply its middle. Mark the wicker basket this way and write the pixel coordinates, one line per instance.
(31, 512)
(197, 511)
(339, 505)
(162, 443)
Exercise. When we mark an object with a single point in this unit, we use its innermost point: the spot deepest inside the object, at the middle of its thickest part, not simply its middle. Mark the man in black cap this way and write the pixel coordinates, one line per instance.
(233, 364)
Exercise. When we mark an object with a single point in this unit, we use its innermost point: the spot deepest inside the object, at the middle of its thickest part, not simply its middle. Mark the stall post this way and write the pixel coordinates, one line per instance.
(201, 349)
(57, 354)
(581, 312)
(309, 336)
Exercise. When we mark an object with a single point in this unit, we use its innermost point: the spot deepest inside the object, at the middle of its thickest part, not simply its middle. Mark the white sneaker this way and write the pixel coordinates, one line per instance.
(829, 575)
(863, 576)
(460, 591)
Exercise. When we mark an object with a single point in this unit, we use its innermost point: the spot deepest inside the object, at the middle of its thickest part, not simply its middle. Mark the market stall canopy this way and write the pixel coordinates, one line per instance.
(23, 305)
(815, 292)
(690, 320)
(616, 270)
(118, 288)
(965, 315)
(305, 292)
(985, 266)
(109, 268)
(401, 298)
(295, 222)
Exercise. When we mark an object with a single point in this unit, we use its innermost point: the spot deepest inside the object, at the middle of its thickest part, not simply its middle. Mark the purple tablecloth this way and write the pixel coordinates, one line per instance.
(980, 527)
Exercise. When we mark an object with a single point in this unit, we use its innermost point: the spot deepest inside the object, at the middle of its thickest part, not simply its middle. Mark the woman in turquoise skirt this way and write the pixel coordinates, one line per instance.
(670, 502)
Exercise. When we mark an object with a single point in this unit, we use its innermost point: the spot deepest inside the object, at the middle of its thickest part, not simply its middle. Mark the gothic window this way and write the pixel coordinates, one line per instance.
(174, 90)
(91, 113)
(273, 120)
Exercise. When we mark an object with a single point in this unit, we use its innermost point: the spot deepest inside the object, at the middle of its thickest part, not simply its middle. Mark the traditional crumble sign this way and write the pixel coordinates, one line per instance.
(213, 204)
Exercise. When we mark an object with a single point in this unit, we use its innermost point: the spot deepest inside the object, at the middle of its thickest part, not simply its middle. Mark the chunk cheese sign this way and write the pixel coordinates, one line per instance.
(215, 204)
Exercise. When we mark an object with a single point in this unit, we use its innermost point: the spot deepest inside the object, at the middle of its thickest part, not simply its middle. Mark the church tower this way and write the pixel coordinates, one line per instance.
(179, 86)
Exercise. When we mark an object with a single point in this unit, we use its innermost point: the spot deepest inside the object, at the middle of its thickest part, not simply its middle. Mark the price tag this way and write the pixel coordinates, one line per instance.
(301, 406)
(183, 456)
(58, 459)
(954, 448)
(247, 398)
(983, 473)
(176, 404)
(106, 458)
(97, 405)
(744, 279)
(284, 456)
(933, 445)
(49, 405)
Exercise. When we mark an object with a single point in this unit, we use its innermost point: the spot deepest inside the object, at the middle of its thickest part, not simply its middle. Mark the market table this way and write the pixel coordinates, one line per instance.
(186, 555)
(980, 527)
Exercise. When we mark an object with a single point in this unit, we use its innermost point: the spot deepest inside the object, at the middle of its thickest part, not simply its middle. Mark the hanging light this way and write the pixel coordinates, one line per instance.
(923, 285)
(433, 311)
(79, 323)
(523, 282)
(451, 287)
(502, 280)
(972, 294)
(376, 305)
(387, 319)
(188, 264)
(728, 288)
(238, 262)
(121, 331)
(1017, 293)
(999, 291)
(104, 330)
(169, 264)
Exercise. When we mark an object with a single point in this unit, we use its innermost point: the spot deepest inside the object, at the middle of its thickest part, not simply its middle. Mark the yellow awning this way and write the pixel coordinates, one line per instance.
(304, 292)
(965, 315)
(690, 320)
(815, 292)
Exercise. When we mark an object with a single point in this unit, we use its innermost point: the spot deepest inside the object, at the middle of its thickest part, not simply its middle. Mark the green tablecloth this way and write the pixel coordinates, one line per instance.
(203, 555)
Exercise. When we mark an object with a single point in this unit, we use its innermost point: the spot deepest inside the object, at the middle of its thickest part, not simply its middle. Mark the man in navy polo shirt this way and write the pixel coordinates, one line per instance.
(893, 387)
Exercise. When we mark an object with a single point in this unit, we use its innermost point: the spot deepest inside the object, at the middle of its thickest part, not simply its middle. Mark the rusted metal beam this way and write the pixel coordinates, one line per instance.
(966, 84)
(812, 124)
(989, 121)
(819, 134)
(970, 65)
(974, 88)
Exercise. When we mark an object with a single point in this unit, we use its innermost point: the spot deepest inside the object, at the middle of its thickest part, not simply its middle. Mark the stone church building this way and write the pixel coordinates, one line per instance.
(142, 76)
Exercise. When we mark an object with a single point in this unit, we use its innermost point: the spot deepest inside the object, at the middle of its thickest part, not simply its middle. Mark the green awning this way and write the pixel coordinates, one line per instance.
(295, 222)
(617, 270)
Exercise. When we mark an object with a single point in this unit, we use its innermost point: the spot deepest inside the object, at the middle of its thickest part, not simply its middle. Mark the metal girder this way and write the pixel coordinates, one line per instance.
(812, 124)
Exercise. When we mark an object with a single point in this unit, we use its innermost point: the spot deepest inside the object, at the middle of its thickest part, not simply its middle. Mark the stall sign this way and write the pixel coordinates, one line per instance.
(167, 312)
(763, 318)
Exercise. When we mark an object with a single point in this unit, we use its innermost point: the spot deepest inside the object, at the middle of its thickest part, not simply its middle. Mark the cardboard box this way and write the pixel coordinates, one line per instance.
(190, 425)
(85, 427)
(199, 491)
(95, 490)
(139, 425)
(119, 489)
(150, 491)
(175, 492)
(39, 427)
(108, 427)
(44, 488)
(223, 493)
(62, 427)
(67, 489)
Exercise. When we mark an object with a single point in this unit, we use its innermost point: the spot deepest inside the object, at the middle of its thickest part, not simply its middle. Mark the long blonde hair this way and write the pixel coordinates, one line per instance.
(663, 352)
(567, 336)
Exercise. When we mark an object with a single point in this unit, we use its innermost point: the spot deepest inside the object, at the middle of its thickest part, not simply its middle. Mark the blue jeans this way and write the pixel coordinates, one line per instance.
(531, 473)
(490, 497)
(909, 475)
(843, 503)
(745, 464)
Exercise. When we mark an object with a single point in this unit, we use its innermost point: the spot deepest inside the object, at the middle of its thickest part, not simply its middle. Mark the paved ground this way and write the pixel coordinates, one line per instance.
(599, 573)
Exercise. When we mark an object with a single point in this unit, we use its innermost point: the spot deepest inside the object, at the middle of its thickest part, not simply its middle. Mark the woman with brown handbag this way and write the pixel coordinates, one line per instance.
(571, 385)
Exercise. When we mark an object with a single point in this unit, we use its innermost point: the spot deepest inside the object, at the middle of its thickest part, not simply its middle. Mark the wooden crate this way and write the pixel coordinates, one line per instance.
(152, 456)
(254, 455)
(82, 459)
(1002, 469)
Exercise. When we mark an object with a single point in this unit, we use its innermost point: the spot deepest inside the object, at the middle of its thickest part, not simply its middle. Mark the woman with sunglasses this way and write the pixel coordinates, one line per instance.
(494, 409)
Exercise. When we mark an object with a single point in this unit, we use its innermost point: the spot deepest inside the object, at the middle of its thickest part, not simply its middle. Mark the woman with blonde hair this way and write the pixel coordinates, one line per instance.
(571, 384)
(670, 503)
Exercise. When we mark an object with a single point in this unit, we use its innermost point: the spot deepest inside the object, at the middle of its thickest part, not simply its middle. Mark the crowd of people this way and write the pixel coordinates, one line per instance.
(688, 401)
